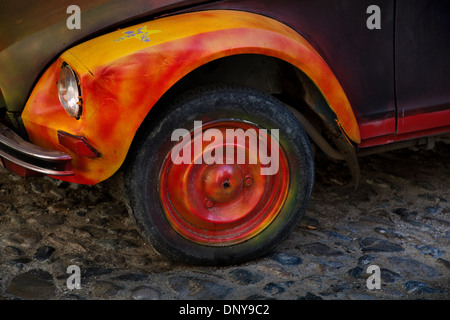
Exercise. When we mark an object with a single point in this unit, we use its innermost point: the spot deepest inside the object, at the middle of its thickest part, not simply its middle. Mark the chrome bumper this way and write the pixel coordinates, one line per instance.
(32, 157)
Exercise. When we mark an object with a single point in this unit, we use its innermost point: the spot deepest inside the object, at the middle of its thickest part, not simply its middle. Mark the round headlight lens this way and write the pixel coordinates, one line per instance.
(68, 91)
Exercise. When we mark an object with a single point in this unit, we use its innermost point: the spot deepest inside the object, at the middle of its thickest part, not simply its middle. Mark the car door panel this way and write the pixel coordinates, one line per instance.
(422, 64)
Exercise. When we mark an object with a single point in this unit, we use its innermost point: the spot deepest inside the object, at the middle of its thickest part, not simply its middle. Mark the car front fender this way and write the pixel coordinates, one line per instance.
(124, 73)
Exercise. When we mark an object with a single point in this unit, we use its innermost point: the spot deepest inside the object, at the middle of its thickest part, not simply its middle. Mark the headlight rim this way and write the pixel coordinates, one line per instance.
(79, 101)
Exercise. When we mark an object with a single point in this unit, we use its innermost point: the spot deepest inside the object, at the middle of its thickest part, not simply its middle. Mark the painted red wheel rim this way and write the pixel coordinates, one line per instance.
(223, 204)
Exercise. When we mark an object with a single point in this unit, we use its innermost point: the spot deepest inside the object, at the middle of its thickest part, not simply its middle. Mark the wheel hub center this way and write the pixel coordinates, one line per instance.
(222, 182)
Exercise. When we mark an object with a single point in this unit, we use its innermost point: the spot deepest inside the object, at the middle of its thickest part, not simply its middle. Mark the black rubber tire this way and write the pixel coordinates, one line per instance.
(141, 177)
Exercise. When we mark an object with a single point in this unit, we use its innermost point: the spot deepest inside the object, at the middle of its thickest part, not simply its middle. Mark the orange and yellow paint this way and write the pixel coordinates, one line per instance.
(124, 73)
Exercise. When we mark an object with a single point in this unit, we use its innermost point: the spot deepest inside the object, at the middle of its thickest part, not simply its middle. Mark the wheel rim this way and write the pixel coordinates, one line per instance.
(223, 204)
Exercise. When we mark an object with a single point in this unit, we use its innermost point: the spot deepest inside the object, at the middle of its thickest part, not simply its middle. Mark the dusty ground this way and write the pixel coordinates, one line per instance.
(398, 220)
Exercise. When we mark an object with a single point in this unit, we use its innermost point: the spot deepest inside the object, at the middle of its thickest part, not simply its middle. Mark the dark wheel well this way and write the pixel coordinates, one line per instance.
(267, 74)
(280, 79)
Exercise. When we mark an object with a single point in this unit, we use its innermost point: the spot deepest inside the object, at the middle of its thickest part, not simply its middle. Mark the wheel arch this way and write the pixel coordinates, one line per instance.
(280, 79)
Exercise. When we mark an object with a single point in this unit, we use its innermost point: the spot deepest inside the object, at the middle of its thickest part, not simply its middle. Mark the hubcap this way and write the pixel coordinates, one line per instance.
(227, 202)
(222, 182)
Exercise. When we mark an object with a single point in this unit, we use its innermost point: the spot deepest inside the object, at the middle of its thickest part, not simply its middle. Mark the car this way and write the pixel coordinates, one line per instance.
(213, 111)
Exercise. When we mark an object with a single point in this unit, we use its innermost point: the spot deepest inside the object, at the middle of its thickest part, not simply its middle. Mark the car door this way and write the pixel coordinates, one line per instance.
(422, 65)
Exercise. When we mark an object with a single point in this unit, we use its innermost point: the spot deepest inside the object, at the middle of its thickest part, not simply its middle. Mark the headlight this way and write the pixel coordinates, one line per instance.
(69, 92)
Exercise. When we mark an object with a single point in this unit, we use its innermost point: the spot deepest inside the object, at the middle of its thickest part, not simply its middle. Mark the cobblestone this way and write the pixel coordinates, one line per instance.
(398, 219)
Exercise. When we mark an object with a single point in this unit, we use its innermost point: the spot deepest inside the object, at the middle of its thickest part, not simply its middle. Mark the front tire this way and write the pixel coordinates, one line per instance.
(228, 211)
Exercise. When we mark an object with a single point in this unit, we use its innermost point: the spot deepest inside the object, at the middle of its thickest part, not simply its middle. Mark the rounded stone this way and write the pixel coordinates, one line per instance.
(145, 293)
(286, 259)
(35, 285)
(245, 277)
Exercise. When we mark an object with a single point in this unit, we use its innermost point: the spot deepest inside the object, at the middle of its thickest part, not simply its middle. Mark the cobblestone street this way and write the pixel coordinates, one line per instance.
(398, 220)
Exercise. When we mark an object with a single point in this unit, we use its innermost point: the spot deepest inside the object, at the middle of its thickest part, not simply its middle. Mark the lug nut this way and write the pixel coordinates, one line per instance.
(248, 180)
(208, 203)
